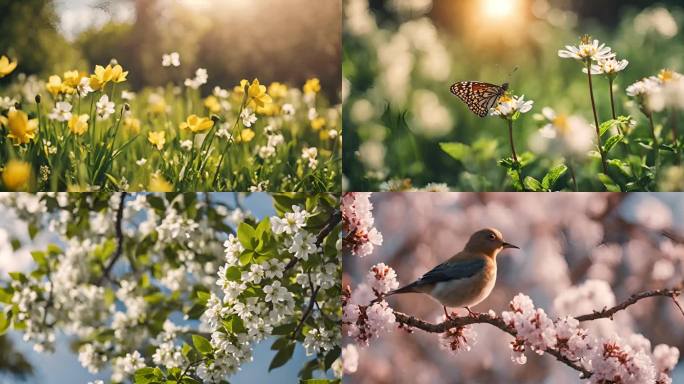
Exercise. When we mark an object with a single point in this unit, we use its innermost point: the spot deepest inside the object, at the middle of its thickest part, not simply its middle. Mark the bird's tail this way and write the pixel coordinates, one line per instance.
(405, 289)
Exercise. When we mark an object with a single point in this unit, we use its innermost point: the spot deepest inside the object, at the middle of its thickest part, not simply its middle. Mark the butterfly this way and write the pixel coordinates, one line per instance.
(478, 96)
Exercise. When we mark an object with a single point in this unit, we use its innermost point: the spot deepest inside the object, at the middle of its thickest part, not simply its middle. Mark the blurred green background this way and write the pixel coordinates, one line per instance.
(401, 56)
(274, 40)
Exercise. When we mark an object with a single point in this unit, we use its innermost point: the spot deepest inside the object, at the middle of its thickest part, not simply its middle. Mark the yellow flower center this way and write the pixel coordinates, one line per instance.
(561, 124)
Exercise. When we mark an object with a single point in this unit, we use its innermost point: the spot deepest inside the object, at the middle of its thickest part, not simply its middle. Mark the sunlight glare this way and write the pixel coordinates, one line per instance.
(203, 5)
(497, 9)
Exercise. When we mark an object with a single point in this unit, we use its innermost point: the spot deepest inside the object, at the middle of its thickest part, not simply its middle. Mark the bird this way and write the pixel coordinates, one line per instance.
(465, 279)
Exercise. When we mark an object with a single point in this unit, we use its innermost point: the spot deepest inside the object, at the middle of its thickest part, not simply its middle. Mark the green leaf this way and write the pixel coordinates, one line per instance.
(331, 356)
(202, 344)
(246, 235)
(203, 297)
(189, 380)
(32, 230)
(4, 323)
(16, 244)
(238, 325)
(610, 143)
(608, 183)
(282, 357)
(39, 257)
(5, 295)
(18, 276)
(186, 349)
(533, 184)
(54, 249)
(606, 125)
(553, 175)
(458, 151)
(264, 227)
(233, 273)
(246, 257)
(280, 343)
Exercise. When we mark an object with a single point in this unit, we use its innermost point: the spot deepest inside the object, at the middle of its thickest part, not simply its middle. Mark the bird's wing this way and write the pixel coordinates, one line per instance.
(452, 270)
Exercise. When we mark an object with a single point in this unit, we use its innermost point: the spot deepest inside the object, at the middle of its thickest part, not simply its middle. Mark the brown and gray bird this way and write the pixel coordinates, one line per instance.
(468, 277)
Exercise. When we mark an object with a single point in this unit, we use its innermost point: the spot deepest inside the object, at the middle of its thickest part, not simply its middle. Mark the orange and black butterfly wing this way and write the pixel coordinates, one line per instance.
(479, 97)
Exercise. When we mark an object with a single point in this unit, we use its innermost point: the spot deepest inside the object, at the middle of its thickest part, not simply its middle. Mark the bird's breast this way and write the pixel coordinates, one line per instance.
(466, 292)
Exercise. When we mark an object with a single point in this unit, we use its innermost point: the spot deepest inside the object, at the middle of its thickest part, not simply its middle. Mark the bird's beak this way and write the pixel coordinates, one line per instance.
(509, 245)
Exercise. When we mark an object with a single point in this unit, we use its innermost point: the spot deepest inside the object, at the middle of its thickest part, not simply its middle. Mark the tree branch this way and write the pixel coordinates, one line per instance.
(498, 322)
(609, 312)
(119, 239)
(332, 222)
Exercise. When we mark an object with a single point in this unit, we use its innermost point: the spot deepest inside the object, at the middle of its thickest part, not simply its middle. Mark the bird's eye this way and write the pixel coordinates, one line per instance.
(492, 236)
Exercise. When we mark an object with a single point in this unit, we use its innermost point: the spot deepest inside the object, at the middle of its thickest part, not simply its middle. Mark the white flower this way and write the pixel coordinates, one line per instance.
(248, 117)
(104, 107)
(127, 95)
(586, 50)
(84, 87)
(186, 145)
(310, 154)
(200, 79)
(126, 366)
(350, 358)
(382, 279)
(171, 59)
(508, 106)
(642, 87)
(288, 111)
(7, 102)
(569, 135)
(141, 162)
(608, 66)
(61, 112)
(302, 245)
(291, 223)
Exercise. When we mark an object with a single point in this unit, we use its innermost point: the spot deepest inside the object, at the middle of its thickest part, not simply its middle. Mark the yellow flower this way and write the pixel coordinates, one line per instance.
(157, 138)
(157, 104)
(78, 125)
(212, 104)
(21, 129)
(277, 90)
(72, 78)
(312, 86)
(318, 123)
(104, 75)
(239, 90)
(16, 175)
(270, 109)
(246, 135)
(55, 85)
(257, 97)
(159, 184)
(6, 66)
(197, 124)
(132, 125)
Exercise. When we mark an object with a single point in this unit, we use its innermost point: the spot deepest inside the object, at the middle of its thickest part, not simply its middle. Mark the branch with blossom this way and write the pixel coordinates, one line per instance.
(596, 358)
(178, 255)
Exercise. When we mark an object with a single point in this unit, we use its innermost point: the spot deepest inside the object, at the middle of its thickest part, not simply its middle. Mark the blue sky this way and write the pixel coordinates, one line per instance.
(63, 366)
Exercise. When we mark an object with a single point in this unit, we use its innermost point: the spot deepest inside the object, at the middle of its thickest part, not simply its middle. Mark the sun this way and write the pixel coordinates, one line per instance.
(498, 9)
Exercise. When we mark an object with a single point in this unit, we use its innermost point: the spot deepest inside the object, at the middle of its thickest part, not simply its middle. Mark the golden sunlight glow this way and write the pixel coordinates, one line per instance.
(498, 9)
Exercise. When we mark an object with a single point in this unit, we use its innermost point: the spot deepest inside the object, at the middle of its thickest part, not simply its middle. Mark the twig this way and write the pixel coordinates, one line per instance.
(496, 321)
(119, 238)
(307, 313)
(609, 312)
(194, 363)
(332, 222)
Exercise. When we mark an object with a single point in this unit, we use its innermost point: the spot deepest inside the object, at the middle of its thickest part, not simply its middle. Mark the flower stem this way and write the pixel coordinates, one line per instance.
(596, 122)
(572, 175)
(673, 121)
(656, 154)
(612, 102)
(515, 156)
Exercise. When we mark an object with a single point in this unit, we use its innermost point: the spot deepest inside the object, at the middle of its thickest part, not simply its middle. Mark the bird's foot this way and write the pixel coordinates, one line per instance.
(471, 313)
(446, 313)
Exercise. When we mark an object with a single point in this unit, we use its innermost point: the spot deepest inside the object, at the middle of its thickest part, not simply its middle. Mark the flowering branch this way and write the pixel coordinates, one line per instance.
(332, 222)
(498, 321)
(609, 312)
